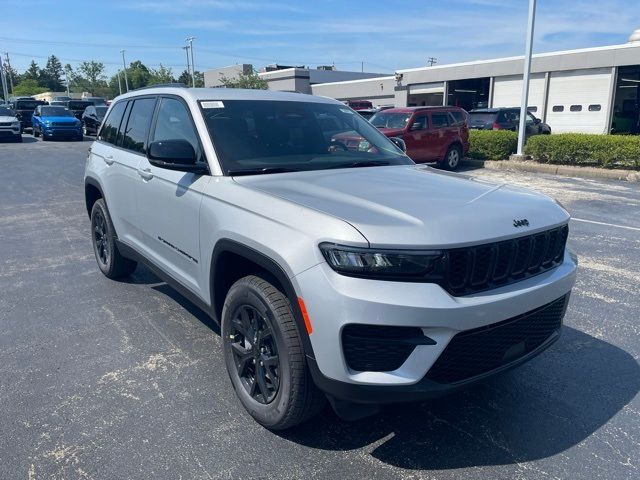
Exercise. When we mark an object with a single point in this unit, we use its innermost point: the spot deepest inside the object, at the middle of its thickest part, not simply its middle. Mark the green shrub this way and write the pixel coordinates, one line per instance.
(492, 144)
(581, 149)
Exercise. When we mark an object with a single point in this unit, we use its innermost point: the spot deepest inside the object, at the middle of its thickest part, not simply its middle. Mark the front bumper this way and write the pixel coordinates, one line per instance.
(9, 133)
(62, 132)
(334, 301)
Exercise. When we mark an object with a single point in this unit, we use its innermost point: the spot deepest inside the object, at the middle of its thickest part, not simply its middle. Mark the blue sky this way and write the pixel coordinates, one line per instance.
(385, 35)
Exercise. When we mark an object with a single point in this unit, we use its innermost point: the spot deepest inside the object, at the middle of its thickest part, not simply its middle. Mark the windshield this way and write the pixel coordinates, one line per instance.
(390, 120)
(101, 111)
(269, 136)
(55, 112)
(27, 105)
(481, 118)
(78, 105)
(5, 112)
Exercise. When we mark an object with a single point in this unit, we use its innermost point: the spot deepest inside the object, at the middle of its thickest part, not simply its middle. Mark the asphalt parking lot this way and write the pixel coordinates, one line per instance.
(119, 380)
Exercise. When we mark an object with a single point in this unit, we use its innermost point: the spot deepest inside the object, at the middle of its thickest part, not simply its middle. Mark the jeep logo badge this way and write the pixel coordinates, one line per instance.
(521, 223)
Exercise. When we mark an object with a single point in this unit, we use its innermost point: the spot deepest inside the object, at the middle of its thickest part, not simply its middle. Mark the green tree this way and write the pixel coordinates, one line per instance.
(245, 80)
(138, 75)
(51, 75)
(12, 76)
(28, 87)
(185, 77)
(93, 73)
(32, 73)
(161, 75)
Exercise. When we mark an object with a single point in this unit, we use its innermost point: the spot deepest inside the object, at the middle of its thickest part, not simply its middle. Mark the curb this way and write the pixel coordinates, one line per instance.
(563, 170)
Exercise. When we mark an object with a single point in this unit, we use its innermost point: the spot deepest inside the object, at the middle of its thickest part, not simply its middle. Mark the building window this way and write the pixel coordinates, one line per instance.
(558, 108)
(533, 109)
(595, 108)
(576, 108)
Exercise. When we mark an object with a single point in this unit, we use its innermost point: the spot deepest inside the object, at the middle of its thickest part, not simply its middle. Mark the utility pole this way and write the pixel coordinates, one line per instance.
(432, 61)
(124, 63)
(186, 49)
(9, 71)
(66, 76)
(193, 70)
(119, 84)
(525, 77)
(5, 92)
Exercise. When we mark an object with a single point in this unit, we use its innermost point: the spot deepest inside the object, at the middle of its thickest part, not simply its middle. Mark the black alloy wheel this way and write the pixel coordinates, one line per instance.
(255, 354)
(101, 239)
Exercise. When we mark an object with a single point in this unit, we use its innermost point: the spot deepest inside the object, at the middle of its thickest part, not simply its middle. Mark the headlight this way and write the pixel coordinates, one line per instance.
(15, 124)
(367, 262)
(47, 122)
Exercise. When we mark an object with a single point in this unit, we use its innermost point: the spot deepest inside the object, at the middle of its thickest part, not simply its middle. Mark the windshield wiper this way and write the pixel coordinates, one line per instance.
(366, 163)
(260, 171)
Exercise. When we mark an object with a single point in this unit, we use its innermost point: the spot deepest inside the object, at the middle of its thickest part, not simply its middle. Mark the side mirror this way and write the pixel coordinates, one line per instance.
(398, 142)
(174, 155)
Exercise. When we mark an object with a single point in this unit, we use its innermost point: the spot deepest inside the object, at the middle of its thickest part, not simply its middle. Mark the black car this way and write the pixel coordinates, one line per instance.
(78, 107)
(505, 119)
(97, 101)
(92, 119)
(23, 108)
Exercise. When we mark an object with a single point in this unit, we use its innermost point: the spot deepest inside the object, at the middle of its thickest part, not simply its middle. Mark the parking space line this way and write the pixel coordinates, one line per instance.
(636, 229)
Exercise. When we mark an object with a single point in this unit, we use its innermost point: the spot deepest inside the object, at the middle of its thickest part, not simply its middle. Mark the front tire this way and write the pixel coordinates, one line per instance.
(452, 158)
(103, 237)
(265, 357)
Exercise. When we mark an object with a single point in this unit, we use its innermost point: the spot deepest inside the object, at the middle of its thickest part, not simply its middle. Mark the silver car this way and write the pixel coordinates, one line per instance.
(337, 268)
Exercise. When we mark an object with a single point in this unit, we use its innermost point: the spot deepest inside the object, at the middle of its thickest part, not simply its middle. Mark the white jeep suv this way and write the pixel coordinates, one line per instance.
(336, 267)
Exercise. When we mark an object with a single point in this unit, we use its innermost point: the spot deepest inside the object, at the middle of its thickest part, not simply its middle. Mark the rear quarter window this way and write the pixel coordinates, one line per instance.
(109, 131)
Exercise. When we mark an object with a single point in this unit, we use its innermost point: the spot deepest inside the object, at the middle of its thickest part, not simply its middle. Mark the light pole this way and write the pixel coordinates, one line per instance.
(119, 84)
(186, 49)
(5, 92)
(124, 63)
(9, 76)
(525, 77)
(193, 69)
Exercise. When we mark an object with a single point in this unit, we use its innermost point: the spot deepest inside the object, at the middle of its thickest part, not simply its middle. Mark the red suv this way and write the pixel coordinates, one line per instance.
(432, 134)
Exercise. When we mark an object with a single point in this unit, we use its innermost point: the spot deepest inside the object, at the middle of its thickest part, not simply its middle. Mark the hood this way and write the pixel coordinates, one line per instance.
(59, 119)
(415, 206)
(7, 119)
(391, 132)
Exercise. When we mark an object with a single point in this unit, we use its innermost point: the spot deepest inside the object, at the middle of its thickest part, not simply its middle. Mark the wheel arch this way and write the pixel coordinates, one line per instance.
(92, 192)
(232, 260)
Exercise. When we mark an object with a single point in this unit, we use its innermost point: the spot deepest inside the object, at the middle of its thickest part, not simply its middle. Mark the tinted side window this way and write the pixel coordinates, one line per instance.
(109, 130)
(439, 120)
(174, 123)
(135, 135)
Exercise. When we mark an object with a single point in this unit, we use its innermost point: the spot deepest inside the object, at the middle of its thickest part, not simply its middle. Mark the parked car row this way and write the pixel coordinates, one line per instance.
(64, 117)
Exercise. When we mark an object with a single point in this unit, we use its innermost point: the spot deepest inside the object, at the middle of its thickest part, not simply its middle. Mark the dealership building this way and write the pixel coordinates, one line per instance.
(591, 90)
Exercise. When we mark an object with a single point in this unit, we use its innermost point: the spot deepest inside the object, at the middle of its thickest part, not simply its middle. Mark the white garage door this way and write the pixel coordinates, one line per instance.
(507, 92)
(579, 101)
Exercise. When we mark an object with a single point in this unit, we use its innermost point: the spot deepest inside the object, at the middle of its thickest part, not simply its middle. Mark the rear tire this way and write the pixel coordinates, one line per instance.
(265, 357)
(452, 158)
(103, 237)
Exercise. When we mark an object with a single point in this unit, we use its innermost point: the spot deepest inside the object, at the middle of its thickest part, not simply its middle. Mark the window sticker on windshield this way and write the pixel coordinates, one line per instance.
(346, 110)
(216, 104)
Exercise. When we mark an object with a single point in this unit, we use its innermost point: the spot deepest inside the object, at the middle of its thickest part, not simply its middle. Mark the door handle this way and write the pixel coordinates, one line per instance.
(108, 159)
(145, 174)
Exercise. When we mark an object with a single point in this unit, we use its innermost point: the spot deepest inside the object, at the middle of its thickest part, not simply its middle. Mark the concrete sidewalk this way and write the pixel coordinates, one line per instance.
(564, 170)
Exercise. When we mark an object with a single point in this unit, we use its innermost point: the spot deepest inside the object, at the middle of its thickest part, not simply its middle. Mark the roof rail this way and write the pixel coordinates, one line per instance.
(161, 85)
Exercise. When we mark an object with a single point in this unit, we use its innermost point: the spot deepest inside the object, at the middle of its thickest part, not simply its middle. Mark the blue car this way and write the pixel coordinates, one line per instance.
(55, 122)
